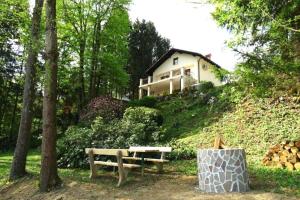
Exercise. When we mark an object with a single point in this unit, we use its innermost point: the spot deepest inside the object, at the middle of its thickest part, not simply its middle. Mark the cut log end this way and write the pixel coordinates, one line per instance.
(284, 155)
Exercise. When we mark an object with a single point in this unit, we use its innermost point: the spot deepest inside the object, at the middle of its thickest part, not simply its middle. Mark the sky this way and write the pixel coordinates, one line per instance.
(189, 26)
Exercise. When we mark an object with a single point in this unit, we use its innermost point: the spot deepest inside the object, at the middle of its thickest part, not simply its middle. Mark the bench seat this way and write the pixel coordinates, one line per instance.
(146, 159)
(115, 164)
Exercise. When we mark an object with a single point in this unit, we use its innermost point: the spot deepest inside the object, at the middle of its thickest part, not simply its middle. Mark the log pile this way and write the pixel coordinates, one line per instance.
(284, 155)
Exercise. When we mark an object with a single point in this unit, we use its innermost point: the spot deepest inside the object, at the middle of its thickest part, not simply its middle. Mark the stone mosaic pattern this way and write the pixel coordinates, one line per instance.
(222, 170)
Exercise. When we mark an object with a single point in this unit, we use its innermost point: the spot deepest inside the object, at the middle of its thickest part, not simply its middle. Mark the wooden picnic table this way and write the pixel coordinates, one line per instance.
(142, 151)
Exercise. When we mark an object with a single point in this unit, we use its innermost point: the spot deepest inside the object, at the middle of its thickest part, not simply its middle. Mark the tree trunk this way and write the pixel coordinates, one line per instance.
(94, 62)
(49, 176)
(13, 117)
(81, 74)
(19, 160)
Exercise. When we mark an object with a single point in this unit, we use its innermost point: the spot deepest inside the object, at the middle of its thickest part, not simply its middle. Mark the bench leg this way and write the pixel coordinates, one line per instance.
(122, 176)
(122, 171)
(92, 165)
(93, 173)
(160, 168)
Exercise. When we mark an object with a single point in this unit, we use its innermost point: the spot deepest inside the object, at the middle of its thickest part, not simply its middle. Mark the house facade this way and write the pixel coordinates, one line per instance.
(176, 70)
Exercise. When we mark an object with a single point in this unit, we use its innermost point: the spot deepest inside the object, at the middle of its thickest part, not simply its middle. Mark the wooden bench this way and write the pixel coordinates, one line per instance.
(118, 153)
(157, 161)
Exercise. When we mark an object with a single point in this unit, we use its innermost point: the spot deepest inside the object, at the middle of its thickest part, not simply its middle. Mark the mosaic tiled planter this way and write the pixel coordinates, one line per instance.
(222, 170)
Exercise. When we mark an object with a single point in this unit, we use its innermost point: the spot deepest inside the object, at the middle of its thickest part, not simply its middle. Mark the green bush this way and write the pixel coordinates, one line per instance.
(143, 114)
(139, 126)
(205, 86)
(144, 125)
(181, 151)
(70, 148)
(147, 101)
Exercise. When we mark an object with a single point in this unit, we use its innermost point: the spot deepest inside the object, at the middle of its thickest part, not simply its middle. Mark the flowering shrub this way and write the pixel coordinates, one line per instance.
(106, 107)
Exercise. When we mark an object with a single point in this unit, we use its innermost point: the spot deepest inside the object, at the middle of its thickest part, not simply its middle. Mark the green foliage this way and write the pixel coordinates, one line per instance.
(182, 151)
(139, 126)
(143, 115)
(115, 55)
(14, 29)
(222, 74)
(145, 47)
(147, 101)
(205, 86)
(266, 35)
(71, 146)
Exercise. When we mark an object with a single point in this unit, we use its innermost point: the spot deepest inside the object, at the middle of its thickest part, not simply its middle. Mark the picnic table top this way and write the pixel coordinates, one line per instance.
(147, 149)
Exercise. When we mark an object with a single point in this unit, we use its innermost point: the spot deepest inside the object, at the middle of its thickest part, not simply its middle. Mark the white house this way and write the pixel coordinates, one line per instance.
(176, 70)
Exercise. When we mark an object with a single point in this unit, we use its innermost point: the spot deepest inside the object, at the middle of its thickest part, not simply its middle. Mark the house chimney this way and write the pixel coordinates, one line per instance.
(208, 56)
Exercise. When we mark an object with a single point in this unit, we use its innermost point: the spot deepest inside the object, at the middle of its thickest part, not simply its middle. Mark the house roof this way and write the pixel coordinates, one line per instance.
(167, 55)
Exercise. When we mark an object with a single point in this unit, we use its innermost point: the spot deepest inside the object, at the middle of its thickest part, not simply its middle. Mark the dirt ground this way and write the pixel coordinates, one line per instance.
(146, 188)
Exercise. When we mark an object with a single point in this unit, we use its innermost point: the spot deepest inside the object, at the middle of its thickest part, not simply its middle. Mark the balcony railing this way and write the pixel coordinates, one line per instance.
(163, 76)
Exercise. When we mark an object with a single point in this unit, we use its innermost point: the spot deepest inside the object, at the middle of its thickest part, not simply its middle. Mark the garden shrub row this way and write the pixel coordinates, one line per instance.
(139, 126)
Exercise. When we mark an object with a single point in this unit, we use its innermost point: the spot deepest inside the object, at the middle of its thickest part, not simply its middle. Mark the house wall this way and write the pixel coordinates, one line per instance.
(208, 75)
(184, 60)
(188, 62)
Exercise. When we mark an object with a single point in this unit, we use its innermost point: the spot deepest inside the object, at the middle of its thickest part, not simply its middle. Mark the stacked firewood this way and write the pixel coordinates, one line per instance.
(284, 155)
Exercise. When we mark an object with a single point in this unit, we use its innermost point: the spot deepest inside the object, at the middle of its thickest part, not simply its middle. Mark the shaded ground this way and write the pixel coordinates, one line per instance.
(137, 187)
(178, 182)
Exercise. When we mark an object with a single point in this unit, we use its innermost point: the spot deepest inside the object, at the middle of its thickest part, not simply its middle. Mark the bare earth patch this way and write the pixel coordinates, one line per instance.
(149, 187)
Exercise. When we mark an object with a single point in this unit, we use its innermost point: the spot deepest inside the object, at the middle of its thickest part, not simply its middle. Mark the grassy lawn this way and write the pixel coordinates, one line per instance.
(33, 167)
(262, 178)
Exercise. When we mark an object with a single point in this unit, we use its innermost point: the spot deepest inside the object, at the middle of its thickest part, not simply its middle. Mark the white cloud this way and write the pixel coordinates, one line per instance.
(188, 26)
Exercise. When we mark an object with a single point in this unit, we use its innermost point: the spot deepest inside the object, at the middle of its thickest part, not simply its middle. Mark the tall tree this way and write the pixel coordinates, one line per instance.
(145, 47)
(84, 25)
(104, 10)
(14, 22)
(49, 176)
(267, 36)
(18, 168)
(112, 78)
(78, 14)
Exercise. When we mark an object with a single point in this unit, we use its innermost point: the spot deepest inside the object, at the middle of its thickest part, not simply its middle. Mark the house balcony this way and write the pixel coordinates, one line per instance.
(166, 83)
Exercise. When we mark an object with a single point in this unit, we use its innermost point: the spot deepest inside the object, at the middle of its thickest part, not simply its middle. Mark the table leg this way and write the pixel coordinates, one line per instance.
(143, 164)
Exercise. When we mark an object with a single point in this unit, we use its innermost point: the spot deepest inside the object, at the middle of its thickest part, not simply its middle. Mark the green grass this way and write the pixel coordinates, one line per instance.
(262, 178)
(252, 124)
(33, 163)
(245, 122)
(33, 167)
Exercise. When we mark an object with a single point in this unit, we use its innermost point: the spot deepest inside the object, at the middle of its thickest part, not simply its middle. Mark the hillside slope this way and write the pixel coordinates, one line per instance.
(253, 124)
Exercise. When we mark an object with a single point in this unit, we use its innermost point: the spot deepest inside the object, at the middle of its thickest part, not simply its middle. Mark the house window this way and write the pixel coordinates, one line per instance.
(204, 67)
(175, 61)
(165, 75)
